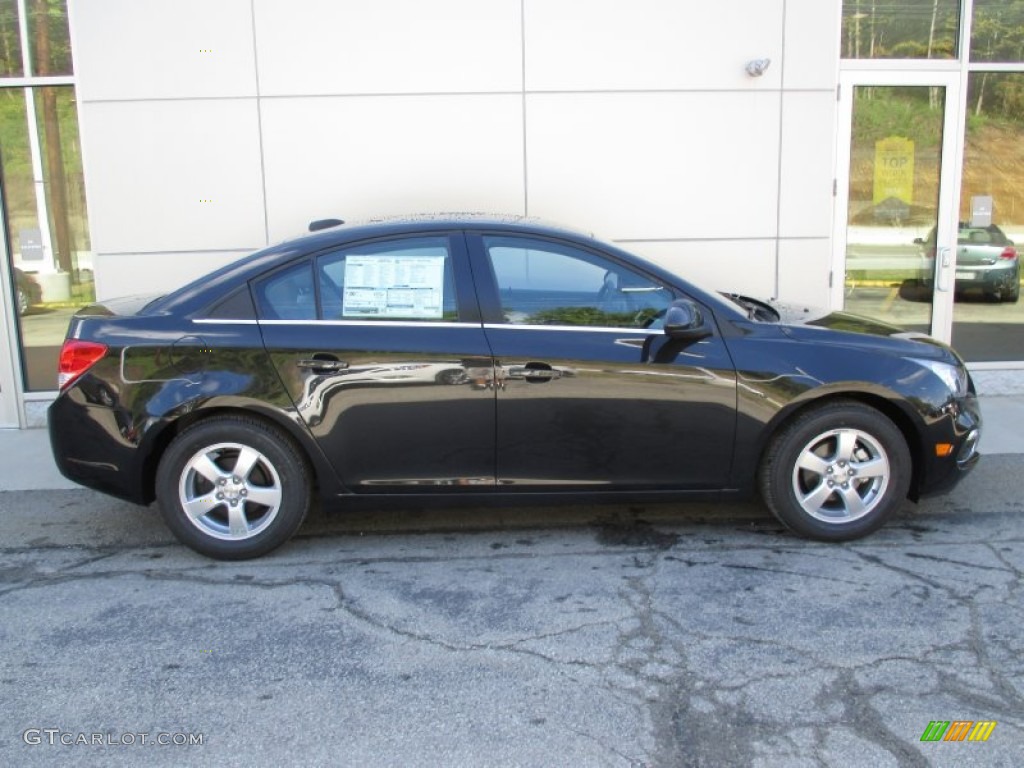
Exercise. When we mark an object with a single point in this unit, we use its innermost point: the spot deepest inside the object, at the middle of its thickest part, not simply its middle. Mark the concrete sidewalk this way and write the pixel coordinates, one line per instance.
(26, 463)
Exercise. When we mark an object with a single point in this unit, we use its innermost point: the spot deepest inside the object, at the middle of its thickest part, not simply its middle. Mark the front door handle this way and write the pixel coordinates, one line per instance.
(540, 374)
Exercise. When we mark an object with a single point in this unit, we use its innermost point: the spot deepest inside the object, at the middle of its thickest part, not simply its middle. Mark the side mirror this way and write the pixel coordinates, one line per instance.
(684, 320)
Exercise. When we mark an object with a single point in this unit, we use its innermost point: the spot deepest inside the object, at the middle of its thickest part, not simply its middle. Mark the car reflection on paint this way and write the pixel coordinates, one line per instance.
(319, 388)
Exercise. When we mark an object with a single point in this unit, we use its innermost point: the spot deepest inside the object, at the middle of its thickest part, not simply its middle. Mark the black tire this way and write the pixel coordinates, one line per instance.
(803, 472)
(256, 511)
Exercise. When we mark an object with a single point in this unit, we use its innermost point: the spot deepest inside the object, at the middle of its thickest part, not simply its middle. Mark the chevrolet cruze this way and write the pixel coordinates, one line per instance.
(494, 360)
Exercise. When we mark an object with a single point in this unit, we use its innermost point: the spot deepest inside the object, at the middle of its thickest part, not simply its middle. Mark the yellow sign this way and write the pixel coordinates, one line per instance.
(894, 169)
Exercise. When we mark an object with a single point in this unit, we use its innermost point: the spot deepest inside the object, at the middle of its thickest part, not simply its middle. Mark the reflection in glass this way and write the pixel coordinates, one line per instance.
(997, 33)
(900, 29)
(988, 318)
(49, 235)
(49, 39)
(895, 156)
(10, 40)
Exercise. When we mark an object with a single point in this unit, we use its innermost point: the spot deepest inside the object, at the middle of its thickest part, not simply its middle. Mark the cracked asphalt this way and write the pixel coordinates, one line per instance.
(664, 635)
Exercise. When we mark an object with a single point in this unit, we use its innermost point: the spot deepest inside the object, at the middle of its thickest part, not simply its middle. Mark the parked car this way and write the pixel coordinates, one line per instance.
(27, 291)
(986, 261)
(494, 360)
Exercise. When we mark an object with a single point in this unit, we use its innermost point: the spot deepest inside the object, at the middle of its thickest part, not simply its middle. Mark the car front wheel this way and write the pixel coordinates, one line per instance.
(837, 472)
(232, 488)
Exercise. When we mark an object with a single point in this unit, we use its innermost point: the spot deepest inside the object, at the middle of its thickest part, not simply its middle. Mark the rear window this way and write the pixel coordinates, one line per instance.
(981, 236)
(287, 294)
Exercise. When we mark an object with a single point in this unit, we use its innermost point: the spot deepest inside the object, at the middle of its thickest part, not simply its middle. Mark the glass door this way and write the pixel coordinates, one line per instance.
(896, 210)
(988, 316)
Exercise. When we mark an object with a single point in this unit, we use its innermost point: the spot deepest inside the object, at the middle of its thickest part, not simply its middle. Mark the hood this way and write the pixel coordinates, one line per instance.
(846, 328)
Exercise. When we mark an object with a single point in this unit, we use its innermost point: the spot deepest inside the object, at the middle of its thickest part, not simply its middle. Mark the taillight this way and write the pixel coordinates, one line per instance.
(76, 357)
(1009, 252)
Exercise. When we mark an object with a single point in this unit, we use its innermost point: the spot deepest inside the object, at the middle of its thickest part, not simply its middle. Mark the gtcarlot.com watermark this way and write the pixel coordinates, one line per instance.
(58, 737)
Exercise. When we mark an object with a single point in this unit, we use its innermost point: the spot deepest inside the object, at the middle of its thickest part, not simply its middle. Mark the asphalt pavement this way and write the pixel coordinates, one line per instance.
(641, 635)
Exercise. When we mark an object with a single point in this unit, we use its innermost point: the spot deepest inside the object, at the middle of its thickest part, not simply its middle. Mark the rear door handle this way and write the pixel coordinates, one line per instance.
(321, 366)
(539, 372)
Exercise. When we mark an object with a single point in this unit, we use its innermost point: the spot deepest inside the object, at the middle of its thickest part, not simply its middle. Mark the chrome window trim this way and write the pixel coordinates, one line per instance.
(430, 324)
(357, 323)
(574, 328)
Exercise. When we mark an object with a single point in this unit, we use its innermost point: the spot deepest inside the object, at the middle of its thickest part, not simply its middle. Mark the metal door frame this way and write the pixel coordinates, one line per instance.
(11, 405)
(950, 173)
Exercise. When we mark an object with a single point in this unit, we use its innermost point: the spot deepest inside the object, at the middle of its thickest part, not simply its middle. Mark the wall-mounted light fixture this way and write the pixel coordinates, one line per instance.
(757, 67)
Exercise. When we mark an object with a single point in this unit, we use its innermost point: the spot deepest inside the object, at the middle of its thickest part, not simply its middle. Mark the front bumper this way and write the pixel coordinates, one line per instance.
(960, 427)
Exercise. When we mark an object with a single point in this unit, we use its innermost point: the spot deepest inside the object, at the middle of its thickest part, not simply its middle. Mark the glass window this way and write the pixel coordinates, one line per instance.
(542, 283)
(997, 34)
(987, 320)
(288, 294)
(409, 279)
(10, 40)
(900, 29)
(49, 39)
(48, 224)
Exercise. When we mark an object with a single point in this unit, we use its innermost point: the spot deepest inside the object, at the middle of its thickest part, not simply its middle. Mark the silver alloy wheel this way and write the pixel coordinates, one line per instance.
(230, 491)
(23, 304)
(841, 475)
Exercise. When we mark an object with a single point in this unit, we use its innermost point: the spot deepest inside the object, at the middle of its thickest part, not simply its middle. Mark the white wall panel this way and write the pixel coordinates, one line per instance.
(388, 46)
(127, 274)
(173, 175)
(740, 266)
(651, 44)
(148, 49)
(803, 271)
(812, 43)
(365, 156)
(808, 138)
(658, 166)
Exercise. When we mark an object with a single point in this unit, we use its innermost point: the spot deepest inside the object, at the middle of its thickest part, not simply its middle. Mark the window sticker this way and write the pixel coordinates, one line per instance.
(394, 286)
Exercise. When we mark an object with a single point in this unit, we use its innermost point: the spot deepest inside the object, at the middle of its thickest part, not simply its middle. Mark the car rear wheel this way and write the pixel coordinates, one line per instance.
(23, 302)
(837, 472)
(233, 488)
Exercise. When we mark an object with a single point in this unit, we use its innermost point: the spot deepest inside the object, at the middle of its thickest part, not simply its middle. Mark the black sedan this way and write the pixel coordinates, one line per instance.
(494, 360)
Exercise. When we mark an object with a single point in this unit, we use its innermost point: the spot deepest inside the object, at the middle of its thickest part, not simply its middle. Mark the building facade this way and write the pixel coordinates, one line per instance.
(849, 154)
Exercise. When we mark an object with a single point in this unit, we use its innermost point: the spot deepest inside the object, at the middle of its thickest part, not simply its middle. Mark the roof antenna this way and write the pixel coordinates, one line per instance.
(316, 226)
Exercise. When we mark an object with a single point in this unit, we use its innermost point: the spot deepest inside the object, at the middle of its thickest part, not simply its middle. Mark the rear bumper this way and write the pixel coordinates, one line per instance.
(91, 448)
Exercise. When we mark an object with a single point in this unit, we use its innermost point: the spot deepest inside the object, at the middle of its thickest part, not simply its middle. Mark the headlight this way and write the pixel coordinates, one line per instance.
(953, 376)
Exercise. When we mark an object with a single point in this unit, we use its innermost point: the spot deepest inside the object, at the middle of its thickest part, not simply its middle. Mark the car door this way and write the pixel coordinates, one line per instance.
(381, 348)
(590, 394)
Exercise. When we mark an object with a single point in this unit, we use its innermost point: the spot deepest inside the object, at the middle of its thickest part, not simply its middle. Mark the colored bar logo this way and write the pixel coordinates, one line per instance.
(958, 730)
